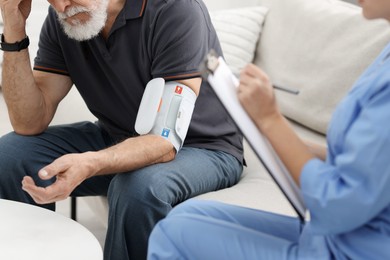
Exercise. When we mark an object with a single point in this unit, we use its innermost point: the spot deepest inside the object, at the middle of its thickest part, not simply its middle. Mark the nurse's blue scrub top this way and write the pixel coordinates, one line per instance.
(348, 196)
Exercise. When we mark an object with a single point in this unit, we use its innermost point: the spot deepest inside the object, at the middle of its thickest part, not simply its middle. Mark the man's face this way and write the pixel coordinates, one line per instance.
(83, 22)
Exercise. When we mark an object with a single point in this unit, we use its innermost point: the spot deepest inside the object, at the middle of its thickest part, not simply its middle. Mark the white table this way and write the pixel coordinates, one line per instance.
(34, 233)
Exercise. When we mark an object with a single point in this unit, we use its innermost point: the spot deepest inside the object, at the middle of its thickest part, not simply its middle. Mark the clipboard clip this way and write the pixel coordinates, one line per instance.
(212, 62)
(209, 64)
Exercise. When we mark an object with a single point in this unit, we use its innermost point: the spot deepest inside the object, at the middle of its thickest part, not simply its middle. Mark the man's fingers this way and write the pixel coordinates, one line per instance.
(52, 170)
(43, 195)
(45, 174)
(29, 186)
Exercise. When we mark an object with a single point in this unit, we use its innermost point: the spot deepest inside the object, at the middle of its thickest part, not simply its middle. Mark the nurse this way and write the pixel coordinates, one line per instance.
(346, 187)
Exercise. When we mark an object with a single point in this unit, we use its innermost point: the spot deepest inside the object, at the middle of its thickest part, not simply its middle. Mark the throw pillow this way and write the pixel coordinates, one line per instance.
(238, 31)
(319, 47)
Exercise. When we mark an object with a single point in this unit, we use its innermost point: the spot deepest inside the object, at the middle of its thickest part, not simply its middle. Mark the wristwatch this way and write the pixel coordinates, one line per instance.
(16, 46)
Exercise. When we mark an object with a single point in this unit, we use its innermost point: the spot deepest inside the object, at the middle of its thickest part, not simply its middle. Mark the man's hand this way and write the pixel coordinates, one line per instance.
(70, 170)
(15, 14)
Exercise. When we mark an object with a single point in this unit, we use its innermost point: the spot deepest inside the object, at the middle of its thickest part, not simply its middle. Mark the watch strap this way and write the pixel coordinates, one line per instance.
(16, 46)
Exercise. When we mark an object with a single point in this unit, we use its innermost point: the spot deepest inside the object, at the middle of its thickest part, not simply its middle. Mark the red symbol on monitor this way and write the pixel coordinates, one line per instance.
(178, 89)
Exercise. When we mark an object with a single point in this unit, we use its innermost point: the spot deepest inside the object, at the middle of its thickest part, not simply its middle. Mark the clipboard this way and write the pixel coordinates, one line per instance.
(225, 83)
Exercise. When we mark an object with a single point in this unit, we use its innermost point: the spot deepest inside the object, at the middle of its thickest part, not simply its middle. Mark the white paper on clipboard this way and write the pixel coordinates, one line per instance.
(224, 83)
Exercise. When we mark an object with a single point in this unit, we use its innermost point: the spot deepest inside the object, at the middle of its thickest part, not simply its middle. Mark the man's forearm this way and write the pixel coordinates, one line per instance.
(24, 100)
(72, 169)
(132, 154)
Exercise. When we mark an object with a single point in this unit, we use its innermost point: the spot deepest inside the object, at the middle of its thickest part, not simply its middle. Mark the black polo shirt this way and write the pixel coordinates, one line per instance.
(149, 39)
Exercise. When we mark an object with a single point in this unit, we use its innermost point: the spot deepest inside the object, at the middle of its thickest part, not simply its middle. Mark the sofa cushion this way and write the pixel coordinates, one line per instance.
(256, 189)
(229, 4)
(319, 47)
(238, 31)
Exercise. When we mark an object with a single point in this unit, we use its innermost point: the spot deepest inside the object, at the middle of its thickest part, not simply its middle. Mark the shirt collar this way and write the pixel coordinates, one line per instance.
(134, 8)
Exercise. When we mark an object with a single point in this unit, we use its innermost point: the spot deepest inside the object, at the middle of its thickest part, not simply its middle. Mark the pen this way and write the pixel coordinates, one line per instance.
(288, 90)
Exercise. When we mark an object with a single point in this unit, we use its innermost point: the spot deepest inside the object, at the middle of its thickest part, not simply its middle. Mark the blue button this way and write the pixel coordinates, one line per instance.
(165, 132)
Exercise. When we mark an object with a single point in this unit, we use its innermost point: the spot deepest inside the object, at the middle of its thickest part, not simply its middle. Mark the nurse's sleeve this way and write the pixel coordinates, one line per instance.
(348, 194)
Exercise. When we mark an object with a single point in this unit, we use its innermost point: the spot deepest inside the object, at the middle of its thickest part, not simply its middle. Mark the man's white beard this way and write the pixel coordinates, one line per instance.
(89, 29)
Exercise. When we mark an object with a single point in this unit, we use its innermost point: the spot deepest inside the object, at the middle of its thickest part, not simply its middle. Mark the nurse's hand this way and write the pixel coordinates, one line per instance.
(256, 95)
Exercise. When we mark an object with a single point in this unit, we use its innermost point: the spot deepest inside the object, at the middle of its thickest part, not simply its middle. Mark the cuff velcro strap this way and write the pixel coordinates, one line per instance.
(17, 46)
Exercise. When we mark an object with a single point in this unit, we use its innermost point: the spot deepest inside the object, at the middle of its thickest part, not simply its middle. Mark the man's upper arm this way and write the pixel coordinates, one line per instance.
(180, 40)
(193, 83)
